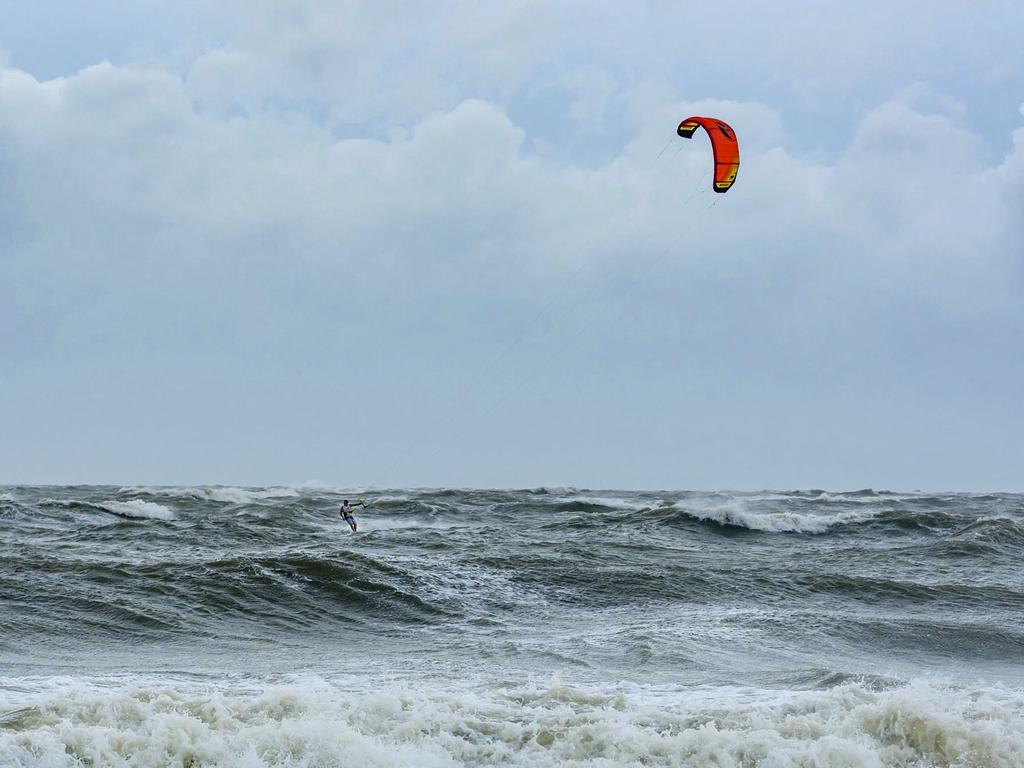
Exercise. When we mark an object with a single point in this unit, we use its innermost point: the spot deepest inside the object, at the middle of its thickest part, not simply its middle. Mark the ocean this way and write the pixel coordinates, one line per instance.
(218, 626)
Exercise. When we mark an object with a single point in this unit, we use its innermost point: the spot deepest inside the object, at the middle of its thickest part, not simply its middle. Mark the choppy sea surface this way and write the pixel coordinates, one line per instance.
(218, 626)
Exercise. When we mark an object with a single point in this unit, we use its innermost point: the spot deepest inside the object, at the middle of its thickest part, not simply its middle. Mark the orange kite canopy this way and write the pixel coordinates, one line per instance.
(723, 144)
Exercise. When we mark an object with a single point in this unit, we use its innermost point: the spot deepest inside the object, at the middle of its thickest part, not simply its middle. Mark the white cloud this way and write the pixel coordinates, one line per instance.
(121, 164)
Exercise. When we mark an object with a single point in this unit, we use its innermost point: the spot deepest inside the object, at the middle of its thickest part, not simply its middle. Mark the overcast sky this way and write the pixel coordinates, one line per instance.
(458, 243)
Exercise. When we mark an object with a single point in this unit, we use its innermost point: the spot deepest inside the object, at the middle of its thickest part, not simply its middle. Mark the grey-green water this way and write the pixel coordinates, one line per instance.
(511, 627)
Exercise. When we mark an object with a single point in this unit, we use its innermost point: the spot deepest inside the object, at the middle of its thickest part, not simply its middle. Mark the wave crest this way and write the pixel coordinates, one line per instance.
(135, 509)
(736, 514)
(217, 493)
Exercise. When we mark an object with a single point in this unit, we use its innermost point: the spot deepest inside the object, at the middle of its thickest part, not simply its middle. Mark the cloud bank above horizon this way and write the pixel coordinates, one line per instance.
(390, 244)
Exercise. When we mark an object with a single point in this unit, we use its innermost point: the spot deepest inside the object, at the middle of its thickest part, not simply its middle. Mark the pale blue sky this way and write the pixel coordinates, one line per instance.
(440, 244)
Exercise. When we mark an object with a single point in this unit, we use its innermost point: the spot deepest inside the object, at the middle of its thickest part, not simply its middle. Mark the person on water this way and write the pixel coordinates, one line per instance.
(346, 512)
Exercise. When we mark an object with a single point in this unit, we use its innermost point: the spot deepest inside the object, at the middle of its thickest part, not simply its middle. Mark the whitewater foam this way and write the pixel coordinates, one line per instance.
(314, 722)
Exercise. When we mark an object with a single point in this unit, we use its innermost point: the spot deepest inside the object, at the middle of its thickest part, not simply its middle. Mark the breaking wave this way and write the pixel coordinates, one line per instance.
(133, 509)
(737, 514)
(315, 722)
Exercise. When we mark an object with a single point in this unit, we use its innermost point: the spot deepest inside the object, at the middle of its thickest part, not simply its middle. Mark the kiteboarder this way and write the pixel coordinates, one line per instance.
(346, 512)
